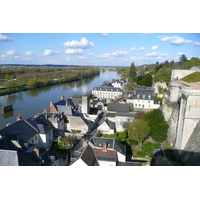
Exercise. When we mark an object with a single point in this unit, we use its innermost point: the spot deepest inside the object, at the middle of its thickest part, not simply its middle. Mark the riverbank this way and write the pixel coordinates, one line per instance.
(11, 90)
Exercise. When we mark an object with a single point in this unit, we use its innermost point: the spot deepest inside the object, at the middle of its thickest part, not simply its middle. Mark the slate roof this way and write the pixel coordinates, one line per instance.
(142, 93)
(19, 130)
(88, 156)
(111, 89)
(94, 102)
(111, 143)
(118, 107)
(8, 158)
(41, 124)
(46, 157)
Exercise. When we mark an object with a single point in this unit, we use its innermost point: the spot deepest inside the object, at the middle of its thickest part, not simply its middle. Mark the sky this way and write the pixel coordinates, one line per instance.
(99, 49)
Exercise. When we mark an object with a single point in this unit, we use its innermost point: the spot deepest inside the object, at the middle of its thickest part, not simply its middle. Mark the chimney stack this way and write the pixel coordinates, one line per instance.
(52, 118)
(104, 147)
(18, 117)
(62, 97)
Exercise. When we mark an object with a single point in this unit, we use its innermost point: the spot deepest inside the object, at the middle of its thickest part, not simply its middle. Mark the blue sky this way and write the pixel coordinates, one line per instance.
(104, 49)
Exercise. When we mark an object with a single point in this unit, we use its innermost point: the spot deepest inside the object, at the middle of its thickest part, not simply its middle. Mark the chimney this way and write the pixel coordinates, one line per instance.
(104, 147)
(84, 142)
(52, 118)
(18, 117)
(46, 116)
(51, 104)
(62, 97)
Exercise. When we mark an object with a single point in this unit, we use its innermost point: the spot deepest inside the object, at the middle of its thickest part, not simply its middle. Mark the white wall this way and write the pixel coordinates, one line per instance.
(107, 163)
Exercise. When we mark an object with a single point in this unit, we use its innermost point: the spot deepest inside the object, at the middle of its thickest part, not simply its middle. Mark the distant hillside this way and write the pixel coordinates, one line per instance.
(191, 78)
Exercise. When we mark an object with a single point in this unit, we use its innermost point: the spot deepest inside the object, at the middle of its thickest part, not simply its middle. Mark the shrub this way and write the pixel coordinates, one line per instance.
(148, 147)
(141, 154)
(122, 135)
(132, 142)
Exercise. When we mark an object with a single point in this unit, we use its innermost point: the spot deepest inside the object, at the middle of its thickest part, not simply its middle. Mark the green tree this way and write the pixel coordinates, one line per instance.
(7, 76)
(158, 125)
(32, 82)
(183, 58)
(132, 73)
(147, 80)
(139, 131)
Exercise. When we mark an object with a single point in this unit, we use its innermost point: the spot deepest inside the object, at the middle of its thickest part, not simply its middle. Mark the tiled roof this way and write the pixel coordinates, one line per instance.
(110, 155)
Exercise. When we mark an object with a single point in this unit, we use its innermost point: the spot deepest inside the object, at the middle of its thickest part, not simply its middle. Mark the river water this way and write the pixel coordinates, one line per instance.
(29, 103)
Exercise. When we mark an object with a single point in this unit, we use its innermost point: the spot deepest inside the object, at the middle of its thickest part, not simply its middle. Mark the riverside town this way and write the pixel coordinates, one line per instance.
(75, 115)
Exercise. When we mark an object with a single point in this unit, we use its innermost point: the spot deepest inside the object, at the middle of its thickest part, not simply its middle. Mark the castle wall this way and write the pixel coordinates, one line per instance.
(180, 73)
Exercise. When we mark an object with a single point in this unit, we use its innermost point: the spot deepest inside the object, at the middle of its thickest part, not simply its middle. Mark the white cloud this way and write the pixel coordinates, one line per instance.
(154, 53)
(196, 44)
(181, 53)
(175, 40)
(104, 35)
(90, 54)
(11, 52)
(17, 57)
(154, 48)
(83, 44)
(140, 49)
(83, 57)
(4, 38)
(114, 55)
(8, 54)
(48, 52)
(67, 59)
(30, 53)
(119, 53)
(74, 51)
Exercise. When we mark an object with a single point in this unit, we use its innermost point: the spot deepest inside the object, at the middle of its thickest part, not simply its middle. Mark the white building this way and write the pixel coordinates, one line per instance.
(101, 152)
(142, 99)
(103, 92)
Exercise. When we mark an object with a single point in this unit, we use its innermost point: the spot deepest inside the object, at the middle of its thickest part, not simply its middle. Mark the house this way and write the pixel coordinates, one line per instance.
(107, 127)
(118, 83)
(99, 104)
(70, 106)
(22, 132)
(101, 152)
(142, 99)
(78, 123)
(44, 129)
(33, 131)
(103, 92)
(57, 120)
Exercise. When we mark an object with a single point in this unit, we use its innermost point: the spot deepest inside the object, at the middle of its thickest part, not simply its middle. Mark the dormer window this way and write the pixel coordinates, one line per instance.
(149, 97)
(143, 96)
(138, 96)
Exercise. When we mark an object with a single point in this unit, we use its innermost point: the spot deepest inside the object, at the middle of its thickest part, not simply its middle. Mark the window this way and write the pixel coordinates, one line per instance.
(136, 105)
(138, 96)
(149, 97)
(143, 96)
(36, 137)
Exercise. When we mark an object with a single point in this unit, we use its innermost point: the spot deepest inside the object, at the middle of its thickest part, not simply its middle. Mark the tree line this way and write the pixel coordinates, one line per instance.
(22, 77)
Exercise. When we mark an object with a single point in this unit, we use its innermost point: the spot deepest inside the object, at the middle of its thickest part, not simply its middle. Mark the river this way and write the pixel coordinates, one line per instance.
(29, 103)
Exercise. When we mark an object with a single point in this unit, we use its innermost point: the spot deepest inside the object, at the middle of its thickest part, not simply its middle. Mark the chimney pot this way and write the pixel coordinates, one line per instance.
(18, 117)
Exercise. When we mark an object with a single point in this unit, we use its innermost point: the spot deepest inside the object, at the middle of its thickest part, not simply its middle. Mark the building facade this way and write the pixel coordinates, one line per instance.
(103, 92)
